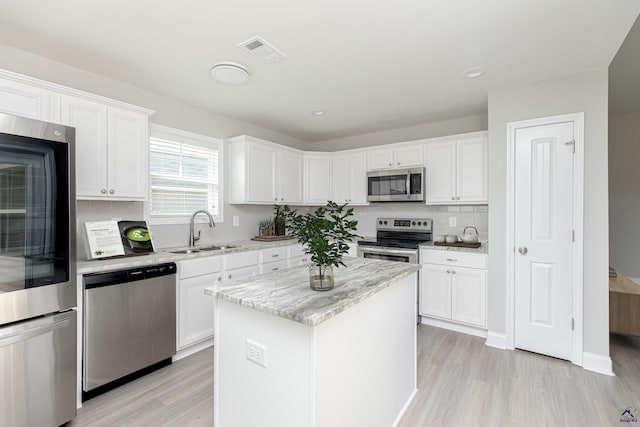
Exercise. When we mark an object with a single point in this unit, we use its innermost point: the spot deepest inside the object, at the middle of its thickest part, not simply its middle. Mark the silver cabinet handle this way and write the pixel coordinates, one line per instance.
(448, 271)
(523, 250)
(219, 279)
(452, 259)
(275, 256)
(453, 198)
(453, 272)
(112, 191)
(398, 163)
(390, 164)
(229, 276)
(103, 191)
(458, 198)
(275, 268)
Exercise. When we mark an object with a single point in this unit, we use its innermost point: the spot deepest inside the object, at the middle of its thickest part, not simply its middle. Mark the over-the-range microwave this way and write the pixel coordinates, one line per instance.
(396, 185)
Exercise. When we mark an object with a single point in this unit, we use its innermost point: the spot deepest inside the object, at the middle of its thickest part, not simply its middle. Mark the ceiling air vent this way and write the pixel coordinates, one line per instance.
(262, 49)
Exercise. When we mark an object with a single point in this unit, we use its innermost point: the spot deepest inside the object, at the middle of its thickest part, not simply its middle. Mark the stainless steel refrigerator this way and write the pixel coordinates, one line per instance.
(38, 376)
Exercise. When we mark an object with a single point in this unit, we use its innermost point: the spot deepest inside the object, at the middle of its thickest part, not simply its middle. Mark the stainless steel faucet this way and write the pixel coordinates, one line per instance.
(192, 238)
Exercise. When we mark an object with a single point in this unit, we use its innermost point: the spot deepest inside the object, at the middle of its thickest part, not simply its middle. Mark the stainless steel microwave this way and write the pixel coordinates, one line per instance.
(396, 185)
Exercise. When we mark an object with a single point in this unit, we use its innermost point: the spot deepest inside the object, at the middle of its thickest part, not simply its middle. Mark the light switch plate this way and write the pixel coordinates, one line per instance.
(236, 221)
(453, 221)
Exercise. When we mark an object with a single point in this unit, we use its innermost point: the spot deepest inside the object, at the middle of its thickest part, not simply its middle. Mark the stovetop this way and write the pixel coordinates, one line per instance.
(406, 233)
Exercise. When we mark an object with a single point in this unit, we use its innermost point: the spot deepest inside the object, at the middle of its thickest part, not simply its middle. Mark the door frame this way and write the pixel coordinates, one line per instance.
(578, 212)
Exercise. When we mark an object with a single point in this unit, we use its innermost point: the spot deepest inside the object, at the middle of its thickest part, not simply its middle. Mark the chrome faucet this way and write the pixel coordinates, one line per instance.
(192, 238)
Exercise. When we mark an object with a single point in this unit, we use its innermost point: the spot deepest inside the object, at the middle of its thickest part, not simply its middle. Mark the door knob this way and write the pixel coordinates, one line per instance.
(523, 250)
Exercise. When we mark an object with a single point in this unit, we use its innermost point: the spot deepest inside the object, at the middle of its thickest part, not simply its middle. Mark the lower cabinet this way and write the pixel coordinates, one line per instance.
(453, 287)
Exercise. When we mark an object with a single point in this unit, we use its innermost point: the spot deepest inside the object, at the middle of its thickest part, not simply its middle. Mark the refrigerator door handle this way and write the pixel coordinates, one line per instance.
(28, 333)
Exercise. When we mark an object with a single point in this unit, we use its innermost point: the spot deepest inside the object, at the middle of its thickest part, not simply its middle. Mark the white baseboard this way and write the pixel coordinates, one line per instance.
(597, 363)
(496, 340)
(457, 327)
(404, 408)
(188, 351)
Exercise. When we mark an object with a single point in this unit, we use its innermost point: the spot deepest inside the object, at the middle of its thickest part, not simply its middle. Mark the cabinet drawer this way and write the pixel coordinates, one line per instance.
(275, 254)
(242, 259)
(198, 267)
(270, 267)
(296, 251)
(241, 273)
(462, 259)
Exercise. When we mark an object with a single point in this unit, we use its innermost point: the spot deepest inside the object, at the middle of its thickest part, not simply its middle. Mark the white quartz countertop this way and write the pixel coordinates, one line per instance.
(165, 255)
(286, 293)
(483, 249)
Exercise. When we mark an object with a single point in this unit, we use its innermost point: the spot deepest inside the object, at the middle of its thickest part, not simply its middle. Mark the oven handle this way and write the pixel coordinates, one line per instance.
(391, 251)
(409, 184)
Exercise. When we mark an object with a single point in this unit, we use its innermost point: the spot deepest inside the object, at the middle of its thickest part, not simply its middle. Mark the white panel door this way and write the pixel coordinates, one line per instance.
(380, 159)
(435, 290)
(468, 295)
(261, 173)
(471, 171)
(195, 310)
(290, 173)
(317, 170)
(90, 120)
(128, 155)
(543, 236)
(408, 156)
(340, 179)
(25, 101)
(358, 179)
(441, 171)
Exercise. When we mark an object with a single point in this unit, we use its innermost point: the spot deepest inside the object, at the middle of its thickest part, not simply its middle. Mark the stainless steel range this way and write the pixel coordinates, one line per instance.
(397, 239)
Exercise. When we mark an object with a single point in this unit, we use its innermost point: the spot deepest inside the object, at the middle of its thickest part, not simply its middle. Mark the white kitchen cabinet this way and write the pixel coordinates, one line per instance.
(317, 178)
(453, 286)
(262, 172)
(241, 265)
(457, 170)
(349, 178)
(395, 157)
(195, 309)
(26, 101)
(111, 149)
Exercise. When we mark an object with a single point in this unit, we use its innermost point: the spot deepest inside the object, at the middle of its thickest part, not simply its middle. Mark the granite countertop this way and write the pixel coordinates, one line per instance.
(483, 249)
(286, 293)
(165, 255)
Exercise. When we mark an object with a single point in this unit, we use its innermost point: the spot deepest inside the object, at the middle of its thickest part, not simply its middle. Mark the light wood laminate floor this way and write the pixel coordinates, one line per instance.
(461, 382)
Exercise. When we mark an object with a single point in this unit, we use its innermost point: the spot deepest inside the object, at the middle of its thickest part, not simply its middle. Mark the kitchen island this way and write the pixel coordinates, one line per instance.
(345, 357)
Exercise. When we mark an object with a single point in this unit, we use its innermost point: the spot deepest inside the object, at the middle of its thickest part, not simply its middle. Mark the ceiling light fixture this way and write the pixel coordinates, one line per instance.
(230, 73)
(318, 112)
(473, 73)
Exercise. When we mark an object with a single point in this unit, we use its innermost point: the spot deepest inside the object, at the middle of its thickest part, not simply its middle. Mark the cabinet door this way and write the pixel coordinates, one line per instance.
(261, 173)
(358, 179)
(340, 179)
(441, 172)
(469, 296)
(90, 120)
(240, 273)
(410, 155)
(128, 146)
(290, 176)
(25, 101)
(317, 178)
(299, 260)
(472, 170)
(195, 310)
(380, 159)
(435, 291)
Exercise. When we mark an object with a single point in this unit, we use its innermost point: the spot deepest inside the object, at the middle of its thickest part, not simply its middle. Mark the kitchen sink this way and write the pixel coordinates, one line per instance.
(203, 248)
(186, 251)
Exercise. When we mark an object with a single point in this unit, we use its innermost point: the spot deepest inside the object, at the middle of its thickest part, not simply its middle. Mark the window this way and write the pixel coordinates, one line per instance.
(185, 175)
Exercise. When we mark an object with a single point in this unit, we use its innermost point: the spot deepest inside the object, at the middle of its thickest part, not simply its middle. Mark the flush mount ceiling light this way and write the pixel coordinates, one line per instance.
(473, 73)
(230, 73)
(318, 112)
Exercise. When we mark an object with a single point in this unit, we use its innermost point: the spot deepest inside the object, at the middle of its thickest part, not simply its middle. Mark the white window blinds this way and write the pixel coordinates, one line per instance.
(184, 175)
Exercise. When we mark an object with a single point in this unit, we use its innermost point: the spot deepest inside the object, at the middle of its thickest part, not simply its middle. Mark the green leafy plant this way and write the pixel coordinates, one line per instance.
(325, 232)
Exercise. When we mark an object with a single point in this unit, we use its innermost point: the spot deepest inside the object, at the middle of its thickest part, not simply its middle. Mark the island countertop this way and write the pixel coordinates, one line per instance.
(286, 293)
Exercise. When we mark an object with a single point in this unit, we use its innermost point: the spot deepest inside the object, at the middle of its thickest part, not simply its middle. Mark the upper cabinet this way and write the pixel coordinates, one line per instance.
(25, 100)
(261, 172)
(397, 157)
(350, 178)
(457, 170)
(112, 147)
(317, 178)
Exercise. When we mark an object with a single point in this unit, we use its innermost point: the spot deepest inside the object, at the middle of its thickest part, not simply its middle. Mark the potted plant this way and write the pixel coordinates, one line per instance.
(266, 227)
(325, 233)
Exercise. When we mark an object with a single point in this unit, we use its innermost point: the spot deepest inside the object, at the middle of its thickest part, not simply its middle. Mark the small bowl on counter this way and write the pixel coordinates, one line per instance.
(450, 238)
(439, 238)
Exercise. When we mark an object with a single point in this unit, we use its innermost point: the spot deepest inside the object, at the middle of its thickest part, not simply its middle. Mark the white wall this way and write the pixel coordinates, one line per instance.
(585, 92)
(427, 130)
(624, 193)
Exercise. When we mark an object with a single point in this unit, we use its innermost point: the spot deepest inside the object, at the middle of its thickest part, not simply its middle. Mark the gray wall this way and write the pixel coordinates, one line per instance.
(427, 130)
(578, 93)
(624, 193)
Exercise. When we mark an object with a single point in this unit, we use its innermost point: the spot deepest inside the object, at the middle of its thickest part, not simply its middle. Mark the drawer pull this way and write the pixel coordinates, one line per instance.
(452, 259)
(275, 268)
(448, 271)
(275, 256)
(453, 272)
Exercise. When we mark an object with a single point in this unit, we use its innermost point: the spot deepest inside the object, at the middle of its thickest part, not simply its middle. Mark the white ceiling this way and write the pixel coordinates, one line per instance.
(372, 65)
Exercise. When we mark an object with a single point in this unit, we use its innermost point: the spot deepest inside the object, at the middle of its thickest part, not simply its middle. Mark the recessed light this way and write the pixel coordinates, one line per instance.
(318, 112)
(230, 73)
(473, 73)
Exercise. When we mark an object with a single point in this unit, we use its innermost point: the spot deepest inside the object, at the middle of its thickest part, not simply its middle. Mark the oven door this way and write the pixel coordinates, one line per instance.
(37, 201)
(388, 254)
(402, 185)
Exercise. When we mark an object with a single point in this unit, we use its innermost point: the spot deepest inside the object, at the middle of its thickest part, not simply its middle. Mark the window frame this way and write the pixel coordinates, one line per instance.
(180, 134)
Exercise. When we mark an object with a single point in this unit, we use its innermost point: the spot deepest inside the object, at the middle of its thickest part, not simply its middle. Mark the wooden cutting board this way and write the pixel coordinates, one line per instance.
(271, 238)
(459, 244)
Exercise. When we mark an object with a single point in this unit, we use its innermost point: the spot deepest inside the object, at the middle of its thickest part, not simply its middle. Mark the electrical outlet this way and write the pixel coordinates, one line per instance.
(236, 221)
(453, 220)
(257, 353)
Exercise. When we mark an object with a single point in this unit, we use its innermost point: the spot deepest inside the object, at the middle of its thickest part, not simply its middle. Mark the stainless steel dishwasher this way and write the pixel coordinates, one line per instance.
(129, 325)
